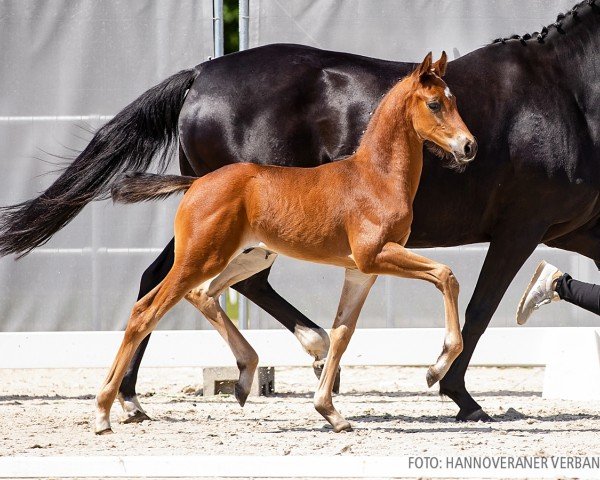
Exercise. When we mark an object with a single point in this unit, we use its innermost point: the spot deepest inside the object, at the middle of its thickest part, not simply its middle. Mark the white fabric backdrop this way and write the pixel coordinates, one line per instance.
(82, 57)
(405, 30)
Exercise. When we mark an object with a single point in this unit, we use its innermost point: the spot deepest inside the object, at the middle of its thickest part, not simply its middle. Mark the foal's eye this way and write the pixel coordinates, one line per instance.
(434, 106)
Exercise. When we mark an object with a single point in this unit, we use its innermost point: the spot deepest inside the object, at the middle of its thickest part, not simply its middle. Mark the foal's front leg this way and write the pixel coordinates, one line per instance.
(394, 259)
(354, 293)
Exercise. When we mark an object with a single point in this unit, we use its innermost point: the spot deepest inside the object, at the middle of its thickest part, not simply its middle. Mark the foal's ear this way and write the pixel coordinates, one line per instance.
(439, 67)
(425, 67)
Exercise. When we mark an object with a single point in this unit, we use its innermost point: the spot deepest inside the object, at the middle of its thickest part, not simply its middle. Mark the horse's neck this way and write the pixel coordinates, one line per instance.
(577, 52)
(571, 58)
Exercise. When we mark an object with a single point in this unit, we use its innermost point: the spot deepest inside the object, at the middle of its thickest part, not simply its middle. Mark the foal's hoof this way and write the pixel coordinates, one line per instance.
(106, 431)
(137, 417)
(241, 395)
(432, 377)
(343, 426)
(476, 416)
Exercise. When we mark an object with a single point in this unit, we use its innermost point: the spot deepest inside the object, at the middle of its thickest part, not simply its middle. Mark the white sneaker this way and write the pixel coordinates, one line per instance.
(539, 292)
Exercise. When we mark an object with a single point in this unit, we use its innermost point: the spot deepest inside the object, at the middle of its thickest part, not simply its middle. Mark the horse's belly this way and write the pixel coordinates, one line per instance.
(330, 253)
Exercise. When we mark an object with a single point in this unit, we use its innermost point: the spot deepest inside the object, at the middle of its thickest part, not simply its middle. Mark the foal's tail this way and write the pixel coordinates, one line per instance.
(140, 187)
(144, 130)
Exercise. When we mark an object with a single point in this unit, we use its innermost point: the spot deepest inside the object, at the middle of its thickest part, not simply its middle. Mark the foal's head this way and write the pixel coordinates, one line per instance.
(434, 114)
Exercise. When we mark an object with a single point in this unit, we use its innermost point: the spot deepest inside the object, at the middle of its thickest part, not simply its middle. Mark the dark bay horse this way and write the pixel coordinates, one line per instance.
(355, 214)
(532, 101)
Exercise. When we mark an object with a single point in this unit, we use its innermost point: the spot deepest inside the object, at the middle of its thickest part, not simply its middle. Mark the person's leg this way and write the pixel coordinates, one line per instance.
(540, 291)
(550, 284)
(584, 295)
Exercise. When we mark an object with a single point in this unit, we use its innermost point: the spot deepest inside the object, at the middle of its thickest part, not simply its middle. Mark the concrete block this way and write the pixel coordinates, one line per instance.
(573, 366)
(222, 380)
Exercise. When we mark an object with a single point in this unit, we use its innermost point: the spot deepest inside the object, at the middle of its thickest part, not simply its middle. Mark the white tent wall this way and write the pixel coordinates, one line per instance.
(405, 30)
(85, 57)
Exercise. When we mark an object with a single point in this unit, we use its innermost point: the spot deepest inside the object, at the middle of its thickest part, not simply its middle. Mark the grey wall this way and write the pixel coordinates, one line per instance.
(397, 29)
(406, 30)
(82, 57)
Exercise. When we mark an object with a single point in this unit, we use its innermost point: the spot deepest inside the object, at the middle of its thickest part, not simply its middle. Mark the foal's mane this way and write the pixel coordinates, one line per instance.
(558, 25)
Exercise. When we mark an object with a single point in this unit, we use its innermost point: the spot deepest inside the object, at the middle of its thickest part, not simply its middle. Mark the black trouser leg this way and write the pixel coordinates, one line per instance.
(584, 295)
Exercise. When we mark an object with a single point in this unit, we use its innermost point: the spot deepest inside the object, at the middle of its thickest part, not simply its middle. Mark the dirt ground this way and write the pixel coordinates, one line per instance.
(49, 412)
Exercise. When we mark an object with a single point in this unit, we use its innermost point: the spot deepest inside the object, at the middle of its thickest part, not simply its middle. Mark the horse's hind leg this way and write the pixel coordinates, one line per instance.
(205, 298)
(354, 293)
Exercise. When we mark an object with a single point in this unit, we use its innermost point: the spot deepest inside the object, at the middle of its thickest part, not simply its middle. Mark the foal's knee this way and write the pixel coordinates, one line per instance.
(445, 280)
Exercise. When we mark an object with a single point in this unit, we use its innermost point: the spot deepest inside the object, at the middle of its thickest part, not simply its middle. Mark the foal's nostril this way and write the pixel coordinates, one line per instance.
(470, 149)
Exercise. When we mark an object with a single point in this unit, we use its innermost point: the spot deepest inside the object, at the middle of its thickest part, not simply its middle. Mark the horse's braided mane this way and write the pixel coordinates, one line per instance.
(540, 36)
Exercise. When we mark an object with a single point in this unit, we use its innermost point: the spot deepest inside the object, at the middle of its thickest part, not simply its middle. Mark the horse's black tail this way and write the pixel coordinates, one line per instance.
(140, 187)
(144, 130)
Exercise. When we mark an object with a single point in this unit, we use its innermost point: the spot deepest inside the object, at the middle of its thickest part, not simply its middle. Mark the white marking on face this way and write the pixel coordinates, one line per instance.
(448, 93)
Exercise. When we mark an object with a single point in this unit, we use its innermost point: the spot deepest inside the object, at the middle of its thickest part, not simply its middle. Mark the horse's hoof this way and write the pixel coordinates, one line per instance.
(106, 431)
(477, 416)
(137, 417)
(432, 377)
(241, 395)
(343, 426)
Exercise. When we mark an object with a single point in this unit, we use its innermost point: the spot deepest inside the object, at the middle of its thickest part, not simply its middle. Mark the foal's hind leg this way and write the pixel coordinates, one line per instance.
(205, 298)
(144, 317)
(354, 293)
(394, 259)
(152, 276)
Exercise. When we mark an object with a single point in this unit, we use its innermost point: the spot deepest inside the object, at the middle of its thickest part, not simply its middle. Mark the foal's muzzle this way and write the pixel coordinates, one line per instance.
(464, 149)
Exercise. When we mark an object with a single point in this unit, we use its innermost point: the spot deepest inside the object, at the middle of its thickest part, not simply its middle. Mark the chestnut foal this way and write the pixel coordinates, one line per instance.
(355, 213)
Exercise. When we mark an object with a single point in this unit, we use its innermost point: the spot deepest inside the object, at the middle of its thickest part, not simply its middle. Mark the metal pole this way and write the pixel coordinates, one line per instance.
(219, 50)
(218, 28)
(244, 22)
